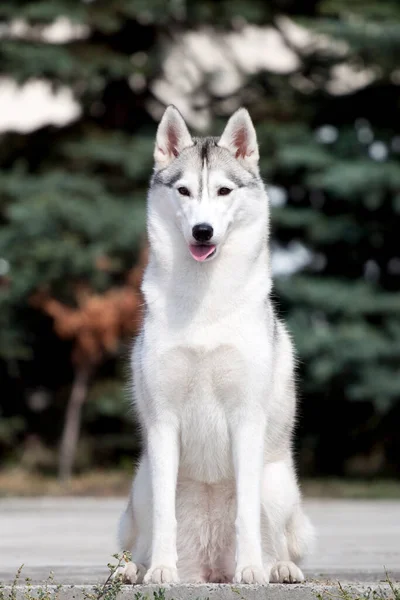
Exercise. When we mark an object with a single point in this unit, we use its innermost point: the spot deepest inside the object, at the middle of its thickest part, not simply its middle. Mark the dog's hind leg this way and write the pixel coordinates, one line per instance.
(135, 527)
(285, 531)
(297, 541)
(126, 528)
(300, 535)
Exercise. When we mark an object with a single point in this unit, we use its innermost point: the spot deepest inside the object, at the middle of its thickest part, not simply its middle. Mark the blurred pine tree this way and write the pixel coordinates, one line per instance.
(72, 197)
(336, 155)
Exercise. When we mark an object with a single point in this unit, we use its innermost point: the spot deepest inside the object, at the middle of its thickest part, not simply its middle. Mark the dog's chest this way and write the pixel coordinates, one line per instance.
(211, 384)
(204, 376)
(205, 452)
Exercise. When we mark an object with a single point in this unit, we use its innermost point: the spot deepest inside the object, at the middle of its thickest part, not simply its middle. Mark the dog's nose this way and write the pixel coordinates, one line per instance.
(202, 232)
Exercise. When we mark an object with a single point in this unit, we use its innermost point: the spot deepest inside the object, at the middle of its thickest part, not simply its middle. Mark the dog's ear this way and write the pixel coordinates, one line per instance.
(239, 137)
(172, 137)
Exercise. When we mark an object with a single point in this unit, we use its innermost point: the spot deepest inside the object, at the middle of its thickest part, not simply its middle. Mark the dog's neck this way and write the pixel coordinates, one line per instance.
(237, 278)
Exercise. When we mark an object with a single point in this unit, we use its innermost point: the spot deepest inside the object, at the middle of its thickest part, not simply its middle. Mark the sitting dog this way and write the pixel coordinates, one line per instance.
(215, 496)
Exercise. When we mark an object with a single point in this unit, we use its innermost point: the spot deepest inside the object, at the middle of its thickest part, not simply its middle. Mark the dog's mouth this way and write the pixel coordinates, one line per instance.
(202, 252)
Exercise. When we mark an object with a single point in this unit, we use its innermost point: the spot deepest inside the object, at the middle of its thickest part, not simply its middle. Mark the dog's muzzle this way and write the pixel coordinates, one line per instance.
(202, 232)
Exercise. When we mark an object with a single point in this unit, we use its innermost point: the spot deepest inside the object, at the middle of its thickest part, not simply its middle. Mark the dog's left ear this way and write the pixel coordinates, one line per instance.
(239, 137)
(172, 137)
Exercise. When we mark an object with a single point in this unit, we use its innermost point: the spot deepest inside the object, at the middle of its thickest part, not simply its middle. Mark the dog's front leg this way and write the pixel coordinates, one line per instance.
(248, 445)
(163, 452)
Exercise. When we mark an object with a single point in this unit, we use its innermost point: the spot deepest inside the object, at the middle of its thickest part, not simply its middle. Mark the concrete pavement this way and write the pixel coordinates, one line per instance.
(305, 591)
(75, 538)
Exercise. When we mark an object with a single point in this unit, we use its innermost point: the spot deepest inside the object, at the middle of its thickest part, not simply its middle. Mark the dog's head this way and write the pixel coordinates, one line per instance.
(209, 185)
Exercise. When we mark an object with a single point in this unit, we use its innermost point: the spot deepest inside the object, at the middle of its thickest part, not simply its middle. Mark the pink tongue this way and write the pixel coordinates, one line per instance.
(201, 252)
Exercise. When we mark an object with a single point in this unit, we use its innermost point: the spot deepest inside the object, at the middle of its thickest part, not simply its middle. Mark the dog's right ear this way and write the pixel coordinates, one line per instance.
(239, 137)
(172, 137)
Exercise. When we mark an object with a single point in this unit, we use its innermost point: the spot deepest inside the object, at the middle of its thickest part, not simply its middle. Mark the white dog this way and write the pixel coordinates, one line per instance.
(215, 496)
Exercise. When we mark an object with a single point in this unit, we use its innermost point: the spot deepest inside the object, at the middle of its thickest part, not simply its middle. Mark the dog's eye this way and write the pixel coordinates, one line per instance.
(183, 191)
(224, 191)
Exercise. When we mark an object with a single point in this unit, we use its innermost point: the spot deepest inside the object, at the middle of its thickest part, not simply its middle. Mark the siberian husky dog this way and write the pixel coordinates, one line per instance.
(215, 496)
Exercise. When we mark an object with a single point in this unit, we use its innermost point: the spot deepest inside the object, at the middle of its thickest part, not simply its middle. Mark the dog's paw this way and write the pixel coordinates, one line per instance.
(286, 572)
(130, 573)
(161, 574)
(250, 574)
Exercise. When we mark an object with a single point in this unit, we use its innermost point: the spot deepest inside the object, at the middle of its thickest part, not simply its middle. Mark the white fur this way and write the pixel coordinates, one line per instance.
(215, 497)
(240, 128)
(172, 137)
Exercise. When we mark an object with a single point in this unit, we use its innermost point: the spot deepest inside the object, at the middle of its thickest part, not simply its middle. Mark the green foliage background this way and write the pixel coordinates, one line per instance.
(72, 194)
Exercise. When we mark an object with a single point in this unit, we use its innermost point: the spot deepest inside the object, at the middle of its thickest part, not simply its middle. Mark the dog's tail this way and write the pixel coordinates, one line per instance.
(300, 535)
(126, 528)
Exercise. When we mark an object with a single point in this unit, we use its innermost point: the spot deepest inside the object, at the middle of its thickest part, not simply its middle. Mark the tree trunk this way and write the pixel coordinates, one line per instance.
(72, 423)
